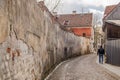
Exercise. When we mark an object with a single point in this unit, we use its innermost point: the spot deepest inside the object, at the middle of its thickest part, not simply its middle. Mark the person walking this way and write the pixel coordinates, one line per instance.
(101, 53)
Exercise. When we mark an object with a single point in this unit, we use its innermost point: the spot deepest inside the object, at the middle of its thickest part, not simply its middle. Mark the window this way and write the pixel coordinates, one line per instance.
(114, 33)
(84, 34)
(66, 22)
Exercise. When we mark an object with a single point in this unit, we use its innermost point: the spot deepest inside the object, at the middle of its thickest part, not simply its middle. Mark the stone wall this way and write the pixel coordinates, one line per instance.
(57, 40)
(31, 43)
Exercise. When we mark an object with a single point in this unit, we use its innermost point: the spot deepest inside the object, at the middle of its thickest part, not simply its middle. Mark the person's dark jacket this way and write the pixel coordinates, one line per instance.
(101, 51)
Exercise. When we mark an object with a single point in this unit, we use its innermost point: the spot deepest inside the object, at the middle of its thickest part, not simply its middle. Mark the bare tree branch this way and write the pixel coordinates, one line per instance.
(51, 4)
(56, 5)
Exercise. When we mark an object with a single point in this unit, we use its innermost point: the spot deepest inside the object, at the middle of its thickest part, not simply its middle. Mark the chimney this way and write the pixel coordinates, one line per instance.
(55, 13)
(74, 12)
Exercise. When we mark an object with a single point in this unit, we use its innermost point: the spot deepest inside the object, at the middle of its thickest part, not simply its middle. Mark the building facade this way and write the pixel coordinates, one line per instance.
(111, 27)
(80, 25)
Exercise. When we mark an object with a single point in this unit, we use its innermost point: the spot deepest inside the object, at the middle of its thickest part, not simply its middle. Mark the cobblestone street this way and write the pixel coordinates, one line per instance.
(81, 68)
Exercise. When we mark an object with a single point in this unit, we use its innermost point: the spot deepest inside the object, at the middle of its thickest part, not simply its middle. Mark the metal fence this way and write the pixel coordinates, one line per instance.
(113, 52)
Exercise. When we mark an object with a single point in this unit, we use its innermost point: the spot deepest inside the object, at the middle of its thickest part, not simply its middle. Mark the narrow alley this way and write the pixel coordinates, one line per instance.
(57, 39)
(81, 68)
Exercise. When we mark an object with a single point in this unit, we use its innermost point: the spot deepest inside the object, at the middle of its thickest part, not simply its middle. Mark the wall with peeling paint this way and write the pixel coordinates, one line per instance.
(30, 44)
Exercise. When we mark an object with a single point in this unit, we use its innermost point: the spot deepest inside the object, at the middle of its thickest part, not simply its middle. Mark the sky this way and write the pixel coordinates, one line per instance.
(92, 6)
(67, 6)
(95, 6)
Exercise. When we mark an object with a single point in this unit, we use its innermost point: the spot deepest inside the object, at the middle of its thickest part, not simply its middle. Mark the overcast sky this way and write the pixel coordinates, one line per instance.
(67, 6)
(94, 6)
(87, 5)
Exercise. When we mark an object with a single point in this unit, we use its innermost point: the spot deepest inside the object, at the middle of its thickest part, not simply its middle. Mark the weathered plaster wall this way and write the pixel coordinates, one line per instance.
(4, 31)
(21, 38)
(30, 44)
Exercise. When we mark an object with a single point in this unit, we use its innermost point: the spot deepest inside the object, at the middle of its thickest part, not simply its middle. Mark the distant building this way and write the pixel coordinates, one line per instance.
(98, 37)
(80, 25)
(111, 27)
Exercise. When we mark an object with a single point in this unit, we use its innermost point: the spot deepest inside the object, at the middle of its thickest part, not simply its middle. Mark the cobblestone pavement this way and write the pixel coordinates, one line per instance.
(81, 68)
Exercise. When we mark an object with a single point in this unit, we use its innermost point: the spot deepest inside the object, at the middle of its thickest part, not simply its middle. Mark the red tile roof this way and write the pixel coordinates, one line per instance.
(109, 10)
(76, 20)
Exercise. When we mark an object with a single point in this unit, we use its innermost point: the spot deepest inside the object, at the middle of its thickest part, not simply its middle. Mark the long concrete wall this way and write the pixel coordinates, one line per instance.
(30, 44)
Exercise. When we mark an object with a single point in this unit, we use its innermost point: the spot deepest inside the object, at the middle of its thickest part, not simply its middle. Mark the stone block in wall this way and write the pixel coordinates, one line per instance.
(4, 26)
